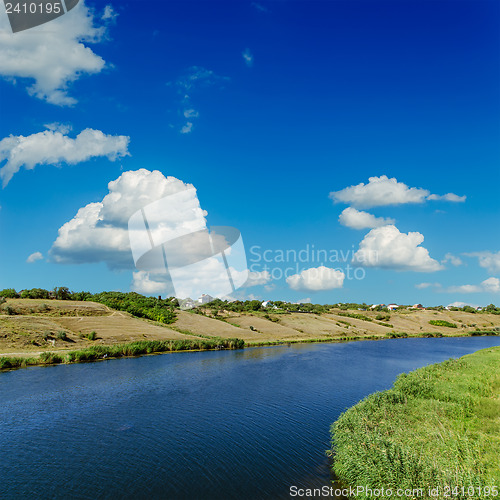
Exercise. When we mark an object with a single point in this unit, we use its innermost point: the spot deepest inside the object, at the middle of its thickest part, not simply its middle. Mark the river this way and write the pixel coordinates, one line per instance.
(244, 424)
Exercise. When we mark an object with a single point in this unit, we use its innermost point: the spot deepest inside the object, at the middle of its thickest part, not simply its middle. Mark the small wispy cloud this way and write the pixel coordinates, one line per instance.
(259, 7)
(34, 257)
(186, 129)
(488, 260)
(194, 79)
(454, 198)
(490, 285)
(452, 259)
(191, 113)
(248, 57)
(109, 14)
(422, 286)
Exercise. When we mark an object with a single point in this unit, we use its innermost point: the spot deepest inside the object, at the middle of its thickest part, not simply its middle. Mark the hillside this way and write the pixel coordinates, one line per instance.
(38, 325)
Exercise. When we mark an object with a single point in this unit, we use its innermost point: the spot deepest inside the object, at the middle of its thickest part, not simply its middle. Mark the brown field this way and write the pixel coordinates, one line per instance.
(37, 325)
(34, 332)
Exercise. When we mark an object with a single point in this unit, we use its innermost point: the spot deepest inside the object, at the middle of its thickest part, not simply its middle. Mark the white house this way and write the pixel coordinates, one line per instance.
(392, 307)
(205, 299)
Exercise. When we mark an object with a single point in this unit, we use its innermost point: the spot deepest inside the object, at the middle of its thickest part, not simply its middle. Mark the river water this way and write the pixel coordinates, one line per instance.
(244, 424)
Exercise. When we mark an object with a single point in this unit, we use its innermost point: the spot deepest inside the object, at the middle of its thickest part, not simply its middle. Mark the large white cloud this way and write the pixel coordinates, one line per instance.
(358, 219)
(490, 285)
(316, 278)
(387, 247)
(382, 191)
(53, 54)
(51, 147)
(488, 260)
(99, 233)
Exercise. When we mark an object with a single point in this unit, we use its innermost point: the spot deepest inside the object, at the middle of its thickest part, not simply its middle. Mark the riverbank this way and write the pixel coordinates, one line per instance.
(30, 327)
(131, 349)
(438, 427)
(99, 352)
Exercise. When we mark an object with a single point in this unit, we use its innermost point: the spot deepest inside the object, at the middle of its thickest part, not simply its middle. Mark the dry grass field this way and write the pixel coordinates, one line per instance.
(35, 325)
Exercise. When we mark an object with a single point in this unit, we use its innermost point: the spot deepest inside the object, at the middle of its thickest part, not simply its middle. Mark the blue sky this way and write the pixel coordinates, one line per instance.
(265, 108)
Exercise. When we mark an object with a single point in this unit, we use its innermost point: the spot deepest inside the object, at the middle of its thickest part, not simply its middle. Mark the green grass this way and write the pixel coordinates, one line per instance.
(438, 426)
(442, 322)
(151, 346)
(354, 315)
(121, 350)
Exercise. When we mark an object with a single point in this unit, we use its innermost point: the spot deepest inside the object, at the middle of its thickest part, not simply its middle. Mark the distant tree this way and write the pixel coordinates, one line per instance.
(80, 295)
(253, 305)
(469, 309)
(35, 293)
(62, 293)
(9, 293)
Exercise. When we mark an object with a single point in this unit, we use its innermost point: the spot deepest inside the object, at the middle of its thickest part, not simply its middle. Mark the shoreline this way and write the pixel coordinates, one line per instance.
(136, 349)
(435, 430)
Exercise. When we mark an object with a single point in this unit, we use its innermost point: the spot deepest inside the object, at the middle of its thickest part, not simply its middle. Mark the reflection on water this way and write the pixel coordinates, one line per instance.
(223, 424)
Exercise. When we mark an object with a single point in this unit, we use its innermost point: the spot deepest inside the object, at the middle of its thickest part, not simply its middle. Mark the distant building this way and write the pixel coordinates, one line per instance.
(205, 299)
(268, 303)
(392, 307)
(374, 306)
(187, 303)
(417, 306)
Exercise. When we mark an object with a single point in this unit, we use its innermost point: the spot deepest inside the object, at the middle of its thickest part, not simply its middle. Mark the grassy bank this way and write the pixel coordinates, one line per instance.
(138, 348)
(438, 427)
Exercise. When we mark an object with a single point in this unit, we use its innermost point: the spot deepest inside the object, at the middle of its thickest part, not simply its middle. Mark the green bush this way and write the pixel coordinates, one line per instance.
(441, 322)
(49, 358)
(92, 335)
(138, 305)
(8, 310)
(61, 335)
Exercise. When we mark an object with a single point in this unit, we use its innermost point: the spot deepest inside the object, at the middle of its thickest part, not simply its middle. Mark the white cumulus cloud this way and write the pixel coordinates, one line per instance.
(383, 191)
(52, 147)
(316, 278)
(358, 219)
(99, 230)
(52, 55)
(34, 257)
(386, 247)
